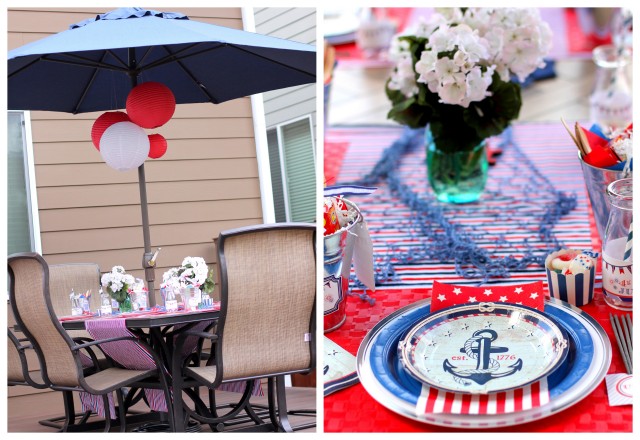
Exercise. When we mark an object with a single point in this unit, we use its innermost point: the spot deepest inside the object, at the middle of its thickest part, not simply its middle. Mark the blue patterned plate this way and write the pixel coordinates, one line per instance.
(388, 382)
(483, 348)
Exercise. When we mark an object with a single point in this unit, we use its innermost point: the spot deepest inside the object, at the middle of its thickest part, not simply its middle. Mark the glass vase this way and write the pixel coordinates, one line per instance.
(125, 306)
(611, 99)
(459, 176)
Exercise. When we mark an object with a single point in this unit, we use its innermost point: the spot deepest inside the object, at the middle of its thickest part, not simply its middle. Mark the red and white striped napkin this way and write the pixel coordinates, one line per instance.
(434, 401)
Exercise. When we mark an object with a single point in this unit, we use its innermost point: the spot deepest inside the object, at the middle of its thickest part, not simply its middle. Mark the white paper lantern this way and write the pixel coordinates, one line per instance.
(124, 146)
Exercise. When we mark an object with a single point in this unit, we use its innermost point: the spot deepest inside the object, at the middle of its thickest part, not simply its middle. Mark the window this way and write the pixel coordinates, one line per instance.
(23, 233)
(293, 171)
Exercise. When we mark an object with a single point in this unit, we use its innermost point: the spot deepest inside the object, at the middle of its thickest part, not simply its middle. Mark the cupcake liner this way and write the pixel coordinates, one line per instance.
(574, 289)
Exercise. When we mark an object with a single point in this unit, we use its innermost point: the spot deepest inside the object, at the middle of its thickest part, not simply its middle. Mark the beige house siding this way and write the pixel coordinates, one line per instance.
(207, 182)
(296, 24)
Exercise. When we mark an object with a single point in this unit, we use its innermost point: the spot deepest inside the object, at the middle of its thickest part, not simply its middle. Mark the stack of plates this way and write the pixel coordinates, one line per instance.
(473, 357)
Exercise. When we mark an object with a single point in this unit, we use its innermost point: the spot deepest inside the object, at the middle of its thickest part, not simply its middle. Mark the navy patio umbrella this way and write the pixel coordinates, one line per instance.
(94, 64)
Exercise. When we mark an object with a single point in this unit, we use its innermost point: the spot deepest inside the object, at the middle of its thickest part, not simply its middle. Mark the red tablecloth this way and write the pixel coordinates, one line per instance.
(354, 410)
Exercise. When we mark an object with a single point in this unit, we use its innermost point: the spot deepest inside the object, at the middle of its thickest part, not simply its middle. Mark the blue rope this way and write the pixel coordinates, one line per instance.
(441, 239)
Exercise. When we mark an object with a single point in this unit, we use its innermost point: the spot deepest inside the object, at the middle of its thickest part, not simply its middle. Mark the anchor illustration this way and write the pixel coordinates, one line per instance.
(479, 347)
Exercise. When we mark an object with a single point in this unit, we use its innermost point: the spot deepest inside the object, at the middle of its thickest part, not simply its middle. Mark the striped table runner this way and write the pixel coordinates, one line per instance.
(505, 222)
(129, 354)
(133, 356)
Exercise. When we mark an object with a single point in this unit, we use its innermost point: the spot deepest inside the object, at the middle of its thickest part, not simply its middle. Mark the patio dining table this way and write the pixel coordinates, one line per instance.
(158, 328)
(541, 153)
(154, 322)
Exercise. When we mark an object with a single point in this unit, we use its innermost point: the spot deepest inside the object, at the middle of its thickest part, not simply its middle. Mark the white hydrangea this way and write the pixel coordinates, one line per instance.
(464, 50)
(519, 39)
(195, 271)
(458, 80)
(192, 272)
(116, 280)
(403, 78)
(170, 279)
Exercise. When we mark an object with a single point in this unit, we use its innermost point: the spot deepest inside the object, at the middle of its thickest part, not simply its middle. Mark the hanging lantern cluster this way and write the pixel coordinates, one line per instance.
(120, 137)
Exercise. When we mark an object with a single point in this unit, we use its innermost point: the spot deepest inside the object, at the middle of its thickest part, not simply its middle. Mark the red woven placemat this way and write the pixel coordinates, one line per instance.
(593, 414)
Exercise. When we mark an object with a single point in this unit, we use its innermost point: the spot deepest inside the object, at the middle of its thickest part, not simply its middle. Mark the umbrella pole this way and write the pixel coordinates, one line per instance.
(148, 259)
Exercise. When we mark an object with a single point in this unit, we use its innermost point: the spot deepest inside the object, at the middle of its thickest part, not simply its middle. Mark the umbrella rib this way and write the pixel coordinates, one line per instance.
(117, 58)
(173, 56)
(312, 75)
(145, 55)
(92, 65)
(86, 88)
(26, 66)
(194, 79)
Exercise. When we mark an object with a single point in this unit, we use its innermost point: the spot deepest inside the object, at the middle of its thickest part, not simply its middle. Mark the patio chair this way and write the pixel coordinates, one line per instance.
(79, 277)
(58, 353)
(17, 366)
(266, 327)
(18, 373)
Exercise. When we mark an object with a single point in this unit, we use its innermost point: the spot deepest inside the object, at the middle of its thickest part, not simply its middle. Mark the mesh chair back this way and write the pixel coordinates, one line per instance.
(14, 364)
(80, 277)
(30, 300)
(267, 276)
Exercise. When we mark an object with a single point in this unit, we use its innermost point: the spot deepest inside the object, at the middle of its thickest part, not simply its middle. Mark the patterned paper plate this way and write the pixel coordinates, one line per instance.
(384, 377)
(483, 348)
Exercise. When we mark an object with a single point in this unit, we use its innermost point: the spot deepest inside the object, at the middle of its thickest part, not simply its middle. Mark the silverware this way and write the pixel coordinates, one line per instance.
(623, 330)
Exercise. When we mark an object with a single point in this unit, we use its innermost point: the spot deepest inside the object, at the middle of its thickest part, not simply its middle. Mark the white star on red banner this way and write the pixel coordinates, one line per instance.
(524, 294)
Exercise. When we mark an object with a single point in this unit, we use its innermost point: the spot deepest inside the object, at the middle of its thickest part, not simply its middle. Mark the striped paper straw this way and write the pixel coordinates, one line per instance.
(628, 247)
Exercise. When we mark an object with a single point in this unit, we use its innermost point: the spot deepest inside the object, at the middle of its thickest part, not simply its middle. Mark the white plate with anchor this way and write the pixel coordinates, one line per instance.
(384, 377)
(483, 348)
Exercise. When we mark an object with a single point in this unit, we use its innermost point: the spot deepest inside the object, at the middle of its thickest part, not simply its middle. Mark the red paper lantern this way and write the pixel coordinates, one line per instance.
(151, 104)
(158, 146)
(103, 122)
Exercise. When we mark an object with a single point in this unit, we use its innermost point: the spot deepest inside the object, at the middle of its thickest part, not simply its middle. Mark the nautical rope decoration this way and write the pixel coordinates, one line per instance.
(519, 197)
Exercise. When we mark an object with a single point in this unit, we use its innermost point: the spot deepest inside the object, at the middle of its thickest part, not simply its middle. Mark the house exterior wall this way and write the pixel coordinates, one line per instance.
(296, 24)
(207, 182)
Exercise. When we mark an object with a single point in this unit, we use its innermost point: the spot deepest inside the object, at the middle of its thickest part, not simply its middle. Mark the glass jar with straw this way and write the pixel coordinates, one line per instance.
(617, 246)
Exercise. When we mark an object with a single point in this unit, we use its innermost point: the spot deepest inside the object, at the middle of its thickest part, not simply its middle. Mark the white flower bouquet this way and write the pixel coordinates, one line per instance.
(454, 71)
(117, 283)
(193, 272)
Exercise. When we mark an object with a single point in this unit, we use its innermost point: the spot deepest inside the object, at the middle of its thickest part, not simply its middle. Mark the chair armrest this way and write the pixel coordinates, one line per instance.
(104, 341)
(137, 340)
(205, 335)
(18, 342)
(176, 365)
(92, 355)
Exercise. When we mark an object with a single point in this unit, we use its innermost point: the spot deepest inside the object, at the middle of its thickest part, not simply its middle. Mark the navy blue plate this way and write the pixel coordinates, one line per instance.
(383, 376)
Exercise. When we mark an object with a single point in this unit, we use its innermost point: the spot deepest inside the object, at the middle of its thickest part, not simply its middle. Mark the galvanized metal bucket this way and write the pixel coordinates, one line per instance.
(597, 180)
(338, 254)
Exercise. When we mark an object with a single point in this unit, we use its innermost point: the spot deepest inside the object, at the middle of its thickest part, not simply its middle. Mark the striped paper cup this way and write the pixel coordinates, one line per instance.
(574, 289)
